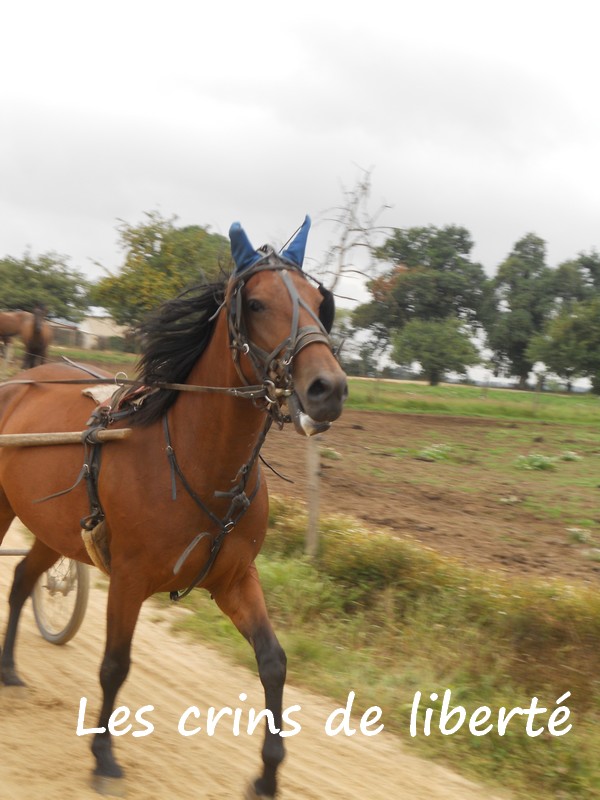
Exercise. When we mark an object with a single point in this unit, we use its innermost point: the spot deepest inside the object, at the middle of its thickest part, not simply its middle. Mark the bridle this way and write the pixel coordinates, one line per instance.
(274, 368)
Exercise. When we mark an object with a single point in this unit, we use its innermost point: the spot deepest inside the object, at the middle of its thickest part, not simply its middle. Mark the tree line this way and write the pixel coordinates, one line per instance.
(432, 303)
(428, 300)
(160, 260)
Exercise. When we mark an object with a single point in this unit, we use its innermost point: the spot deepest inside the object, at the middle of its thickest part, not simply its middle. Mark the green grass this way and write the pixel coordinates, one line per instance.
(472, 401)
(386, 619)
(105, 357)
(535, 461)
(111, 360)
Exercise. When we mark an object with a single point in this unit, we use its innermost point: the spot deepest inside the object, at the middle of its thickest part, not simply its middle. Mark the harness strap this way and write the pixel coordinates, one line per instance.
(80, 477)
(177, 473)
(89, 471)
(240, 503)
(249, 392)
(96, 514)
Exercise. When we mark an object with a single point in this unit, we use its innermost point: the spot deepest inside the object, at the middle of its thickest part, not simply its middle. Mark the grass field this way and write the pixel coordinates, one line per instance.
(473, 401)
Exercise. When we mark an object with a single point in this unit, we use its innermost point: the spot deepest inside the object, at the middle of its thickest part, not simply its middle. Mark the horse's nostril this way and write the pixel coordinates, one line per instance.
(319, 388)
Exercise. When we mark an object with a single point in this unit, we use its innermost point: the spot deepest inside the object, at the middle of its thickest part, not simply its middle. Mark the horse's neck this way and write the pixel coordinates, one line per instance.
(226, 426)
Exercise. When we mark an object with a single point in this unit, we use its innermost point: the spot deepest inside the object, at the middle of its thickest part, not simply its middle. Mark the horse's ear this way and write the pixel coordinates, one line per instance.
(244, 255)
(295, 251)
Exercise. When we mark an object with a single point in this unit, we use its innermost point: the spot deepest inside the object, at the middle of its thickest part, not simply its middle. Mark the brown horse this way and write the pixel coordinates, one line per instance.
(12, 324)
(181, 502)
(36, 335)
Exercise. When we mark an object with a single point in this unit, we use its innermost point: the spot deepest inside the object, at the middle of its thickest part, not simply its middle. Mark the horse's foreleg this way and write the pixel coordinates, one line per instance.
(245, 605)
(271, 661)
(37, 561)
(122, 614)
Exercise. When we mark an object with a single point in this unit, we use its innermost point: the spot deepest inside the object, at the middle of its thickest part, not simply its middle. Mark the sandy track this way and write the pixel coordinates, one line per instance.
(41, 755)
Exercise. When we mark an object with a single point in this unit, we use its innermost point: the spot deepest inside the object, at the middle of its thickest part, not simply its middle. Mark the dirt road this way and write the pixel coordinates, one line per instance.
(41, 755)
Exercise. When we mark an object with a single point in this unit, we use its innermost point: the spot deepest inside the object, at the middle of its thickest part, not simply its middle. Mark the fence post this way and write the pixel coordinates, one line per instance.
(313, 469)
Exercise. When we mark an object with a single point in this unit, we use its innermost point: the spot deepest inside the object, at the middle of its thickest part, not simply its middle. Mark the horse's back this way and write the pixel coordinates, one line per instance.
(12, 322)
(28, 405)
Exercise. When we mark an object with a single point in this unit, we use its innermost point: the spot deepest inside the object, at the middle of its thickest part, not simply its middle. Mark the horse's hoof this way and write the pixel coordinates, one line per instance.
(109, 787)
(252, 795)
(10, 678)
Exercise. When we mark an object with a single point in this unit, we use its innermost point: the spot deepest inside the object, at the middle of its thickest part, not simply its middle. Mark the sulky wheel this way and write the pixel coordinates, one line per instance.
(60, 600)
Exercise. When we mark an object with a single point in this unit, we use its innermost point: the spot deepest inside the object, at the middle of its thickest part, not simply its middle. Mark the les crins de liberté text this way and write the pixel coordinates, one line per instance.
(449, 719)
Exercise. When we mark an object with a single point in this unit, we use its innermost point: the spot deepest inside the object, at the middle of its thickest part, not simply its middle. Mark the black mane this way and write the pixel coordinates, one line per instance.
(173, 339)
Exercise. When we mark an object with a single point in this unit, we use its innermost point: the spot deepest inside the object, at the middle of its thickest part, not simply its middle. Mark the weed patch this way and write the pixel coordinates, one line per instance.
(535, 461)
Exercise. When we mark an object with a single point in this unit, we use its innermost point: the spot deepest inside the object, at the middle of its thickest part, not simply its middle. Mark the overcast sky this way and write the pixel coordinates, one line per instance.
(475, 112)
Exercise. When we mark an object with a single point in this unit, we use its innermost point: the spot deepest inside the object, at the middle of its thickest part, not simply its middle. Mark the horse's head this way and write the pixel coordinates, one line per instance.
(279, 325)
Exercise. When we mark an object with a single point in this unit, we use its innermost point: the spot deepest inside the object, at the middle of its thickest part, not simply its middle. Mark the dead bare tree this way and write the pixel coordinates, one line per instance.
(355, 229)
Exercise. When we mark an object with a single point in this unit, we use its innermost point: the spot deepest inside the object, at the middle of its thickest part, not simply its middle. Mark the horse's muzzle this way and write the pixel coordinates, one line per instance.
(321, 405)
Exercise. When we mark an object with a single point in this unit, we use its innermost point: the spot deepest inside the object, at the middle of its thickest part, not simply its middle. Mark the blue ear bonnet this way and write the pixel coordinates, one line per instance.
(244, 254)
(294, 252)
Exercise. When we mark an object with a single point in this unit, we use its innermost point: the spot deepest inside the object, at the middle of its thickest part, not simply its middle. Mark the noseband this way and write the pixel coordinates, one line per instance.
(274, 368)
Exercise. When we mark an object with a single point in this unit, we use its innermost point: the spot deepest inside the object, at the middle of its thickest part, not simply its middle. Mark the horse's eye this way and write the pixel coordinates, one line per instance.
(255, 305)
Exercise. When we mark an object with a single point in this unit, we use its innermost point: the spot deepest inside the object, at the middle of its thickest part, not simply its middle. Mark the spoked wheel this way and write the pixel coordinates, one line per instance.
(60, 599)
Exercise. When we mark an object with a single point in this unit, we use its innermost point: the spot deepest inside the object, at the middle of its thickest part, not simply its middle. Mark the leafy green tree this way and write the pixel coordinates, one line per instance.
(432, 278)
(160, 261)
(586, 322)
(570, 284)
(47, 281)
(561, 344)
(523, 294)
(558, 347)
(439, 345)
(571, 343)
(577, 280)
(589, 265)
